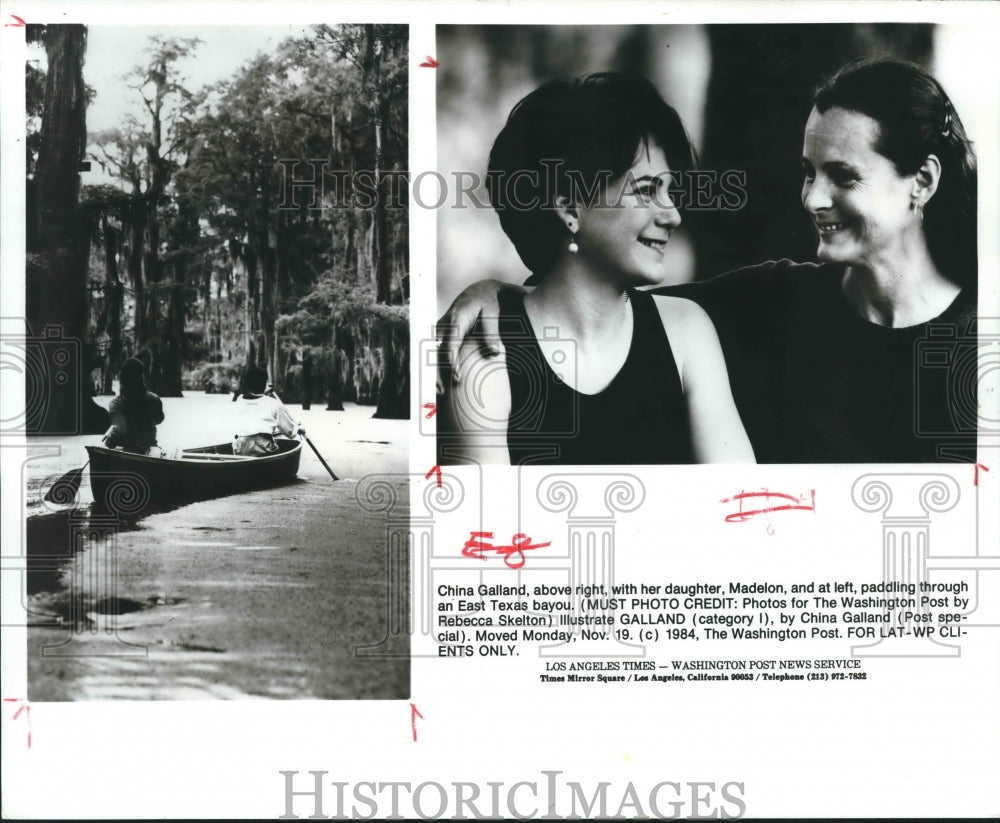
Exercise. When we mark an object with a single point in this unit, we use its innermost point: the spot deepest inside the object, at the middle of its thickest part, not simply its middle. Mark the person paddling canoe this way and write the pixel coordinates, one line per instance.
(260, 417)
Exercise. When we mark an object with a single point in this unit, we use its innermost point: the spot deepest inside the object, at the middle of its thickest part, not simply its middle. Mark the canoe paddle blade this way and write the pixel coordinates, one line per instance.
(64, 490)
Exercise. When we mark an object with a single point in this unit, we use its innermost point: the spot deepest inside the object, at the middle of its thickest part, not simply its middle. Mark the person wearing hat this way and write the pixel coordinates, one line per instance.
(260, 417)
(135, 412)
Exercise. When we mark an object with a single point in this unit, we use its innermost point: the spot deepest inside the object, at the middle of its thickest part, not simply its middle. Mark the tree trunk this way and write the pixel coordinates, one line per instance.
(268, 262)
(137, 231)
(380, 240)
(56, 270)
(251, 302)
(350, 254)
(113, 293)
(394, 393)
(163, 315)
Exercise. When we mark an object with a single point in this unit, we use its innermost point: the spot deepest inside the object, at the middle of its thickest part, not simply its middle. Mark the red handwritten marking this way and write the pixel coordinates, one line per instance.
(435, 469)
(429, 63)
(414, 714)
(431, 410)
(741, 516)
(975, 481)
(475, 546)
(23, 707)
(16, 25)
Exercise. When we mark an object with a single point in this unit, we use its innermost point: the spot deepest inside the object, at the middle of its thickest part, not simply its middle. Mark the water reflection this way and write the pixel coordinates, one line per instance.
(52, 541)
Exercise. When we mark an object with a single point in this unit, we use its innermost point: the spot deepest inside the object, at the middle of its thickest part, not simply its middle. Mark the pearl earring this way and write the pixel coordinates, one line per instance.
(573, 247)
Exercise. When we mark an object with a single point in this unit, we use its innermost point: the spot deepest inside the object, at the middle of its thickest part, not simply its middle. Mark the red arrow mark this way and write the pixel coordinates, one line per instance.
(414, 714)
(16, 25)
(431, 410)
(435, 469)
(429, 63)
(23, 707)
(979, 466)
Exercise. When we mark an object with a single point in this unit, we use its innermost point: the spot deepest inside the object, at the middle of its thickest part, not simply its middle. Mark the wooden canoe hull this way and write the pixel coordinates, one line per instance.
(127, 483)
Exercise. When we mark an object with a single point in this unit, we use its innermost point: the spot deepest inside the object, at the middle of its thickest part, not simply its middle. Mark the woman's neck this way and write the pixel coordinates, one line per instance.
(584, 308)
(906, 291)
(591, 313)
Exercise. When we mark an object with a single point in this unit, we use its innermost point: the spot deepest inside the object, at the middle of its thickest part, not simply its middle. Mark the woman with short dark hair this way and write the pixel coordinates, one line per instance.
(580, 178)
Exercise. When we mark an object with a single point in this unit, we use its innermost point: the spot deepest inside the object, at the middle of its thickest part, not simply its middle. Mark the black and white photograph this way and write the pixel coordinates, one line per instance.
(217, 301)
(706, 244)
(499, 409)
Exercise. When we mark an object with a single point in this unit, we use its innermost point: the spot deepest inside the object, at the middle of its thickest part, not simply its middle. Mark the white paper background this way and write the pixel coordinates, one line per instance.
(918, 737)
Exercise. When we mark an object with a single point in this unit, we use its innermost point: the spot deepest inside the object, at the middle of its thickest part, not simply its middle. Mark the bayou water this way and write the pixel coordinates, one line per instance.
(277, 593)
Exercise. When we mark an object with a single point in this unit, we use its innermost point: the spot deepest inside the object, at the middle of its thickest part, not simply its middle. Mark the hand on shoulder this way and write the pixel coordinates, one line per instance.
(483, 395)
(476, 411)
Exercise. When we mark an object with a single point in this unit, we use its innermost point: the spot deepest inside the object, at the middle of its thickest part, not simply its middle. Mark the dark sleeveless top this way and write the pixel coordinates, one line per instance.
(815, 383)
(640, 417)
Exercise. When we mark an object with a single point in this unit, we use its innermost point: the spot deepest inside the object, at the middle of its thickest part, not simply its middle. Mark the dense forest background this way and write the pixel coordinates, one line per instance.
(744, 93)
(196, 251)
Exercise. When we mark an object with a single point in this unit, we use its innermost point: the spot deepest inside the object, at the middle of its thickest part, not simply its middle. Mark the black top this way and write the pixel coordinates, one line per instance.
(640, 417)
(816, 383)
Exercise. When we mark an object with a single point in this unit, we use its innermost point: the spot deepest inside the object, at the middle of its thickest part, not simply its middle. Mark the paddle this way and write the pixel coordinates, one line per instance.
(65, 488)
(302, 432)
(321, 460)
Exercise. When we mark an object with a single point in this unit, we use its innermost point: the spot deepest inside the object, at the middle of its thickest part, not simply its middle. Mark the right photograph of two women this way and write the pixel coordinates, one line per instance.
(717, 243)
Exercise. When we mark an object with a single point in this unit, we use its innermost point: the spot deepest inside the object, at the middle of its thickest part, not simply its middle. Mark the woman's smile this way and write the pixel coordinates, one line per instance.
(641, 214)
(830, 228)
(655, 245)
(861, 206)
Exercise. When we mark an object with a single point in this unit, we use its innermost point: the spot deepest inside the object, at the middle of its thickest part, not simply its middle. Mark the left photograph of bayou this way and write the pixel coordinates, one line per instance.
(216, 362)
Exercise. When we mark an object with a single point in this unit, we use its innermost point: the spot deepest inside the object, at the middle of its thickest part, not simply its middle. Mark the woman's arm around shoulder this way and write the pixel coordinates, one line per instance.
(479, 406)
(717, 433)
(475, 310)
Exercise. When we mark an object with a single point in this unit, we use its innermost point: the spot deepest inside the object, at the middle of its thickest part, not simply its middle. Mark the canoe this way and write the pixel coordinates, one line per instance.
(124, 483)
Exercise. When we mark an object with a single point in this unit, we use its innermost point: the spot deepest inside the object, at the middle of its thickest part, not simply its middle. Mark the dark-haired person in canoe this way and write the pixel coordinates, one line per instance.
(260, 417)
(135, 412)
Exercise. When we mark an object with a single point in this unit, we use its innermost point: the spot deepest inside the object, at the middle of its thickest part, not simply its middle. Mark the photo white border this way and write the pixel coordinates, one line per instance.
(207, 759)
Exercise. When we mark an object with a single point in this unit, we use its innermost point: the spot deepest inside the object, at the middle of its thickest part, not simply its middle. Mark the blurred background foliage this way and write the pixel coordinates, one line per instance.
(743, 91)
